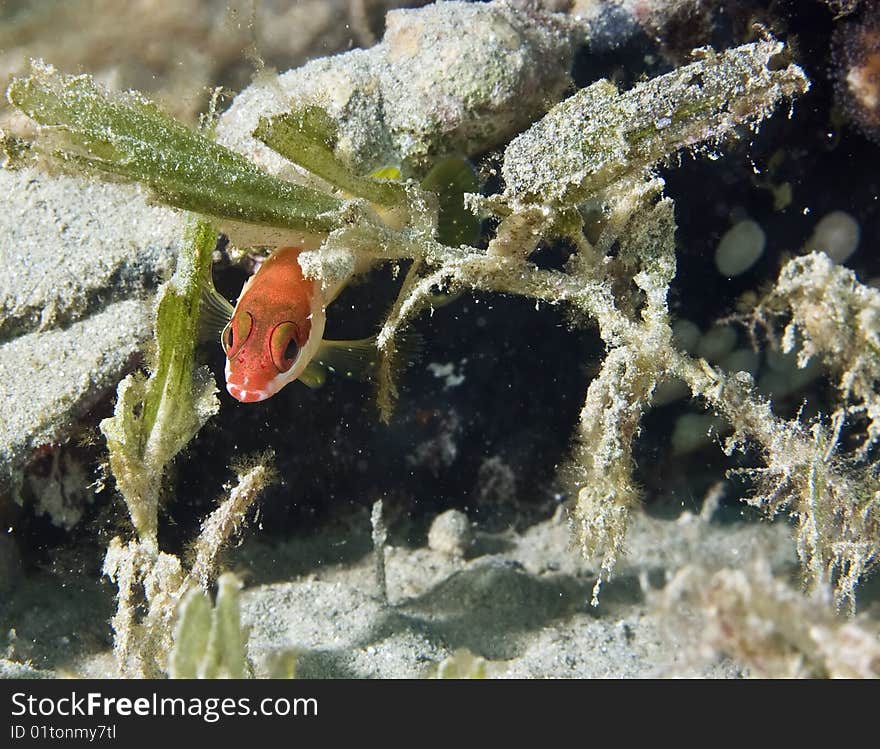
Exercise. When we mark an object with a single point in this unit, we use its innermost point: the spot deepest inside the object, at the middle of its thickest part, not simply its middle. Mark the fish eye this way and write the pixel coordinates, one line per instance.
(284, 346)
(236, 332)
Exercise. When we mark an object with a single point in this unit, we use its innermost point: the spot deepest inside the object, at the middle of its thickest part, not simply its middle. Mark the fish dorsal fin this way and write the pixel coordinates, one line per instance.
(354, 359)
(313, 375)
(214, 314)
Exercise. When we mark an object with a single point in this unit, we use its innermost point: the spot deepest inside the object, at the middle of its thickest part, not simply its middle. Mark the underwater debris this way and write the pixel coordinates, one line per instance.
(379, 538)
(451, 533)
(766, 627)
(857, 66)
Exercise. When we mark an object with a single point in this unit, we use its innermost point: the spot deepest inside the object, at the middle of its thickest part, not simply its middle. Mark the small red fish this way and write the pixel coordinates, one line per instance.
(274, 334)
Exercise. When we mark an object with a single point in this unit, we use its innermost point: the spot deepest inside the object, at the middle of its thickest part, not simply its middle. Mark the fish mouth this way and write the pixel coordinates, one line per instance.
(247, 395)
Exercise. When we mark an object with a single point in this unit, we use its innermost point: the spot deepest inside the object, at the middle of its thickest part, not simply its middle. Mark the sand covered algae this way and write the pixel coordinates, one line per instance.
(128, 137)
(208, 640)
(770, 629)
(152, 584)
(157, 416)
(599, 135)
(308, 137)
(836, 319)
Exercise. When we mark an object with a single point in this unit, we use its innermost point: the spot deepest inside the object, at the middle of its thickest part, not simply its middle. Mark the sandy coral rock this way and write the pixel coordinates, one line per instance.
(175, 52)
(50, 379)
(69, 247)
(79, 263)
(450, 77)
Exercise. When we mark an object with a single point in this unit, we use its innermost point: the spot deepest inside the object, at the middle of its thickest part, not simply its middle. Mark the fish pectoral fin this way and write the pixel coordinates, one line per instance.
(314, 375)
(442, 298)
(408, 348)
(355, 359)
(451, 178)
(215, 313)
(359, 359)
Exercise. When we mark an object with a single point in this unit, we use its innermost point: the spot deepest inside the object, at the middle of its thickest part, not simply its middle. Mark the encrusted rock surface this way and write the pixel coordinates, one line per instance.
(451, 77)
(79, 262)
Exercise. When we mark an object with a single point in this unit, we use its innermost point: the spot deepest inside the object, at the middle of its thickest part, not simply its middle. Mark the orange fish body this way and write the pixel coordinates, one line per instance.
(274, 334)
(275, 330)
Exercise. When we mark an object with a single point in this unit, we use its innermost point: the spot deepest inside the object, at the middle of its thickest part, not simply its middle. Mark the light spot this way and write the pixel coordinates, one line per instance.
(740, 248)
(447, 373)
(686, 335)
(837, 235)
(716, 343)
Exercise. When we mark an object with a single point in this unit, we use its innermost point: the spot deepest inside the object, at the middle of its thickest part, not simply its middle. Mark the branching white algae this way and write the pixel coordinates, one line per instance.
(590, 156)
(153, 584)
(766, 626)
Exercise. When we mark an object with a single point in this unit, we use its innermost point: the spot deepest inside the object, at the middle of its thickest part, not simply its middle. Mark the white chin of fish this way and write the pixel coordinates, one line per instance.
(243, 393)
